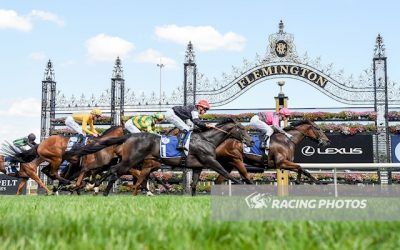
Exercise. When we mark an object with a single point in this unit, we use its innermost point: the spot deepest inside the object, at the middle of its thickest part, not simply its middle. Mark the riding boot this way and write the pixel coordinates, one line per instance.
(264, 142)
(181, 140)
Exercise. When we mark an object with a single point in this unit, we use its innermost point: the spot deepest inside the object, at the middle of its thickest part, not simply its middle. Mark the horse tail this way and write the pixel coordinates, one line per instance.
(20, 155)
(96, 146)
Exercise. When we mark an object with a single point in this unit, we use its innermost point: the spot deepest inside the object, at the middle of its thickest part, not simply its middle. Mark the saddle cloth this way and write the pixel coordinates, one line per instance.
(255, 149)
(169, 144)
(11, 166)
(72, 141)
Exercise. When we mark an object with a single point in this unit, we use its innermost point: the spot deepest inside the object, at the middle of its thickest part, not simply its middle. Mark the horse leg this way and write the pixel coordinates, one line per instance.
(54, 166)
(80, 178)
(116, 171)
(30, 170)
(160, 181)
(195, 180)
(21, 185)
(298, 179)
(220, 179)
(288, 165)
(143, 176)
(144, 187)
(217, 167)
(239, 165)
(136, 173)
(113, 178)
(123, 167)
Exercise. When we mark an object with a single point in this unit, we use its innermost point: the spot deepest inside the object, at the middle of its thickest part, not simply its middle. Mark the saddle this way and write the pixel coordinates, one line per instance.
(176, 146)
(257, 148)
(11, 166)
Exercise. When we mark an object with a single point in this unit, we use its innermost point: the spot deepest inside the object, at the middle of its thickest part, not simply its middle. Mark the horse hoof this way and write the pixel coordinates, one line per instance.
(148, 193)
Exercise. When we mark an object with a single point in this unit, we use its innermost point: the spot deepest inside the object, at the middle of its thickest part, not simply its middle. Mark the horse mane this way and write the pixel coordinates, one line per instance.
(225, 121)
(110, 129)
(294, 124)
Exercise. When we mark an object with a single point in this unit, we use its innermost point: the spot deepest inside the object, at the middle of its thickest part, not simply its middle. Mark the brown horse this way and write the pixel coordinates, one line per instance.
(53, 150)
(281, 152)
(26, 171)
(102, 159)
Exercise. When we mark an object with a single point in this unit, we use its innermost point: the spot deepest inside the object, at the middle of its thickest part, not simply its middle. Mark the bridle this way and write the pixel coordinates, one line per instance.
(317, 132)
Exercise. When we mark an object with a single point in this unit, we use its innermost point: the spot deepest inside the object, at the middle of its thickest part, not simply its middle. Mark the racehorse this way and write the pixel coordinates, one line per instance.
(53, 150)
(145, 146)
(281, 151)
(26, 171)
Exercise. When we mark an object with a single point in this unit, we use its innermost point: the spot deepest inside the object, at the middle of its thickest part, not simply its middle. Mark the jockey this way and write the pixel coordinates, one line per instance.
(145, 123)
(267, 121)
(85, 119)
(190, 113)
(25, 142)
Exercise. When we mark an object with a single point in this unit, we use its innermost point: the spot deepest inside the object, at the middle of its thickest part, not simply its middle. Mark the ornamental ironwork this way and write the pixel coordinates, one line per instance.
(282, 61)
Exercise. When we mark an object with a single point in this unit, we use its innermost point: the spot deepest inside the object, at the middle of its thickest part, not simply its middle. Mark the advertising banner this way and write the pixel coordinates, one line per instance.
(343, 149)
(9, 185)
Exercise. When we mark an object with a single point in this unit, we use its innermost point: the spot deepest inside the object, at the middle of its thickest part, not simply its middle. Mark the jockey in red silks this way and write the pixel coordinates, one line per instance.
(267, 121)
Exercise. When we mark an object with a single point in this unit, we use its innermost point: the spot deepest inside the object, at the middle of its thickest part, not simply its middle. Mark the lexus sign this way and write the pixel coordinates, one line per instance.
(343, 149)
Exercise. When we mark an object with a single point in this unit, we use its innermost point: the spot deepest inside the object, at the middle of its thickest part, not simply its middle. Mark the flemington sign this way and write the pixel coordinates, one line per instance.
(279, 70)
(9, 185)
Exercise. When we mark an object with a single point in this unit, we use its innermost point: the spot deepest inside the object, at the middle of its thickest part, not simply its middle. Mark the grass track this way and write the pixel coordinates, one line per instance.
(168, 222)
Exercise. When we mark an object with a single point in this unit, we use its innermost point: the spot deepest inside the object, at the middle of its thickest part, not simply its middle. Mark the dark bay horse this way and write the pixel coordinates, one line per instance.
(281, 152)
(145, 146)
(26, 171)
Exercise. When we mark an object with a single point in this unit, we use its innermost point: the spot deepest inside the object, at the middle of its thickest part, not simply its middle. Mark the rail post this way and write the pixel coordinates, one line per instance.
(282, 176)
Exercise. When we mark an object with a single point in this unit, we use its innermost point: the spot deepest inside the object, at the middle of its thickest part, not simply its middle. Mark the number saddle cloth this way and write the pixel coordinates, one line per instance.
(169, 144)
(11, 166)
(256, 148)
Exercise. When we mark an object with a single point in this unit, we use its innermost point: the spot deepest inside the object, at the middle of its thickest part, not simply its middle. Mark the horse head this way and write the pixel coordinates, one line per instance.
(311, 130)
(235, 130)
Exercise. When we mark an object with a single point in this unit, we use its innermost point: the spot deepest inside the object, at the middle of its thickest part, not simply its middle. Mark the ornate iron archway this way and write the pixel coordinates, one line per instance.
(281, 61)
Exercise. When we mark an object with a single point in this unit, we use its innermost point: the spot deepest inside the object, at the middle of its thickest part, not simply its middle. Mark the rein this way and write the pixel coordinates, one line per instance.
(221, 130)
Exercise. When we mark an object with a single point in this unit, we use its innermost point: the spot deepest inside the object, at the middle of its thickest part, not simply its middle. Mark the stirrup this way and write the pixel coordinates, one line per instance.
(80, 138)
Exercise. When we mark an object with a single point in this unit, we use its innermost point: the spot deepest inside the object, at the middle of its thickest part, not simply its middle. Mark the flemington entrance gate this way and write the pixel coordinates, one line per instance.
(371, 88)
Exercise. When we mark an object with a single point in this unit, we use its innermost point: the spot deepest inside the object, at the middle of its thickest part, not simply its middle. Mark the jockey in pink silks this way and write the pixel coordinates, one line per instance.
(267, 121)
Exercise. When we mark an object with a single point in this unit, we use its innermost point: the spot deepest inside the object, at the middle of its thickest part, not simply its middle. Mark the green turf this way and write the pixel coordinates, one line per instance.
(168, 222)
